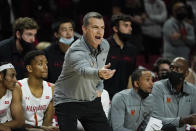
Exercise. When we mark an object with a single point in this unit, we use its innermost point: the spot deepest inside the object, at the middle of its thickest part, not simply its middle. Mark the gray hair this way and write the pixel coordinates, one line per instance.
(91, 15)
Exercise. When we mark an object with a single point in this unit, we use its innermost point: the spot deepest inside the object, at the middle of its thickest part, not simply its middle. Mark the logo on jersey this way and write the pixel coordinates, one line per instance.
(47, 97)
(27, 98)
(2, 112)
(168, 100)
(7, 102)
(36, 108)
(132, 112)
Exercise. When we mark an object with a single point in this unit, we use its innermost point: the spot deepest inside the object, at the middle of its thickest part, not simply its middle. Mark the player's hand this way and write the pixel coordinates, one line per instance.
(50, 128)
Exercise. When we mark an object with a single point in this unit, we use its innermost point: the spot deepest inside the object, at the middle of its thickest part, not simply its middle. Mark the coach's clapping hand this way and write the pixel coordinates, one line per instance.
(106, 73)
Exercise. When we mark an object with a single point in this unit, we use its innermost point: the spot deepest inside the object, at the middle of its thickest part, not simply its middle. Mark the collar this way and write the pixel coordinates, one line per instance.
(93, 51)
(134, 93)
(186, 88)
(184, 91)
(113, 42)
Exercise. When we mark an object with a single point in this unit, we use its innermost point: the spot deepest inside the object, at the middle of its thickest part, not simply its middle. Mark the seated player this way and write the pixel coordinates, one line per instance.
(37, 94)
(11, 113)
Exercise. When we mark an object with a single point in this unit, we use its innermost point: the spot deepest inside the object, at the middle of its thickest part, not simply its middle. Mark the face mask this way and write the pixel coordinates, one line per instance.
(124, 37)
(163, 75)
(26, 46)
(176, 78)
(142, 93)
(66, 41)
(180, 16)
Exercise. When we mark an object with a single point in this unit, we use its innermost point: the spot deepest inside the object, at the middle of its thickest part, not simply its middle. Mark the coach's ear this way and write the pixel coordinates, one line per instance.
(84, 29)
(29, 68)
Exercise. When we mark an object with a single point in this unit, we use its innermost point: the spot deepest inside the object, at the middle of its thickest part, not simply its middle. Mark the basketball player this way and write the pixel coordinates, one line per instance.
(11, 113)
(37, 94)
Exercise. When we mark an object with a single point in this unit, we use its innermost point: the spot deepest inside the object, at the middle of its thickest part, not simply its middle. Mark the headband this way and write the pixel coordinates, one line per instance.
(6, 66)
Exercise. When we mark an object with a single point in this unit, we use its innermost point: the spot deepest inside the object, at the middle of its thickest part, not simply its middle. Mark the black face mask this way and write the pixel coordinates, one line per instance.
(124, 37)
(180, 16)
(163, 75)
(176, 78)
(26, 46)
(142, 93)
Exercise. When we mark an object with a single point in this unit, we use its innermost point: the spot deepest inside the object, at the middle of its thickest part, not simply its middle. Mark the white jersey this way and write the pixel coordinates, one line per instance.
(5, 102)
(34, 108)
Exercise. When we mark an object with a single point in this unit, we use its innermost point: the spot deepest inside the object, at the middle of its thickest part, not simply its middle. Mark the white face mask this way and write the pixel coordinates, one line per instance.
(66, 41)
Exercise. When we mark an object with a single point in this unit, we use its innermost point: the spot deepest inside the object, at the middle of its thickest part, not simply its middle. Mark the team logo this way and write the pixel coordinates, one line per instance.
(168, 100)
(27, 98)
(132, 112)
(47, 97)
(7, 102)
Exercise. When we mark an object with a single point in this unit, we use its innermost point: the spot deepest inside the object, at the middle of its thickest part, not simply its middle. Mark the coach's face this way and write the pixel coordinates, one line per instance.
(94, 31)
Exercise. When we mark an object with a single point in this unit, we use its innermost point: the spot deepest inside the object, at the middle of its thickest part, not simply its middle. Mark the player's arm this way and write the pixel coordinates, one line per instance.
(49, 112)
(16, 109)
(47, 122)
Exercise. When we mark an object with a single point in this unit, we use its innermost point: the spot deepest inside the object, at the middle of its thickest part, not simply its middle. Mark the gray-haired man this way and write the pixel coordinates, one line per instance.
(78, 88)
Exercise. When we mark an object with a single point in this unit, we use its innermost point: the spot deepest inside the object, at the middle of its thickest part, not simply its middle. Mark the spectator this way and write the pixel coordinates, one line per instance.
(187, 6)
(122, 54)
(11, 113)
(161, 68)
(156, 15)
(178, 35)
(64, 35)
(134, 8)
(14, 48)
